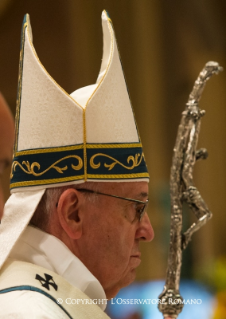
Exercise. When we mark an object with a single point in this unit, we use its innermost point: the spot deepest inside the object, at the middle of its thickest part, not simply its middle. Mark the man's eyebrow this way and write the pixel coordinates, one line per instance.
(143, 195)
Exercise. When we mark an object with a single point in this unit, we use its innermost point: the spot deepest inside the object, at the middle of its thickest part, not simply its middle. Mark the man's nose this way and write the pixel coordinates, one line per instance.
(145, 231)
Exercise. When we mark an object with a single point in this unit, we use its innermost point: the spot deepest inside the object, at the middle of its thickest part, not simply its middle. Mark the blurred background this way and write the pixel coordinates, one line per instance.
(163, 46)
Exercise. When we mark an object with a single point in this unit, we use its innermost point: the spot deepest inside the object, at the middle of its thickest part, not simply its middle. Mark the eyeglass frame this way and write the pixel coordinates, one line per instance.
(119, 197)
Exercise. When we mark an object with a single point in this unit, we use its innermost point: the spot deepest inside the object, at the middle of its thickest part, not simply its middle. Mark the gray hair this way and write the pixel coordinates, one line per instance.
(43, 212)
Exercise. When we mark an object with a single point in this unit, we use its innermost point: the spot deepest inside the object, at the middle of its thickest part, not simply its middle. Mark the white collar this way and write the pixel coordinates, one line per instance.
(42, 249)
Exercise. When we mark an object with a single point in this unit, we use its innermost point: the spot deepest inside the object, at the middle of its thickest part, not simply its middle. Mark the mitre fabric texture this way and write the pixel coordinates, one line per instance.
(62, 139)
(88, 135)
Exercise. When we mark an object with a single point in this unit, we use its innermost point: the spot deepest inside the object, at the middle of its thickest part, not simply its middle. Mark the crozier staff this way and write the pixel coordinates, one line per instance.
(80, 180)
(183, 191)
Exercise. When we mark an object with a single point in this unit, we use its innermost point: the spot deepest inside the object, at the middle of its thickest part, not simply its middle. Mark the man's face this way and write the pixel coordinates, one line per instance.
(6, 143)
(112, 236)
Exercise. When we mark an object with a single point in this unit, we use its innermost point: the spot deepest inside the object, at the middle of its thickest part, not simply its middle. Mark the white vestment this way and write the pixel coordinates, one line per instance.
(71, 284)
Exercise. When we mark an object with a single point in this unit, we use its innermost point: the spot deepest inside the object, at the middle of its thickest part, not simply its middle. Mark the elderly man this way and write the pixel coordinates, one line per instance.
(6, 142)
(79, 178)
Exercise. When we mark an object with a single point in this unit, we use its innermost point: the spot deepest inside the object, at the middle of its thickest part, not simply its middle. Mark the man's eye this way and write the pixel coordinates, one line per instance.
(140, 210)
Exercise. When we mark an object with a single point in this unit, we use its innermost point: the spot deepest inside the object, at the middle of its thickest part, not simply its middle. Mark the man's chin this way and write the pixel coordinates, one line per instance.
(129, 278)
(135, 261)
(125, 281)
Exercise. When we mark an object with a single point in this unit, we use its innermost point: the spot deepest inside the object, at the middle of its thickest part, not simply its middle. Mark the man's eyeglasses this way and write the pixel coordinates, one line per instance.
(140, 210)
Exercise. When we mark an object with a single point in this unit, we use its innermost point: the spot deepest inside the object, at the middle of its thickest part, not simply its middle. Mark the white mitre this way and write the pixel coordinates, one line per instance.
(62, 139)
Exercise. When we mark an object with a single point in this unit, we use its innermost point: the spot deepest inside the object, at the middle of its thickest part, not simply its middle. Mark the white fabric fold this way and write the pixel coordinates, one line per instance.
(42, 249)
(17, 213)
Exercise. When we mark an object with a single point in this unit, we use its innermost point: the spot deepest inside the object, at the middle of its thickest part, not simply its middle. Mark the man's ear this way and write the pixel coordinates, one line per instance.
(69, 212)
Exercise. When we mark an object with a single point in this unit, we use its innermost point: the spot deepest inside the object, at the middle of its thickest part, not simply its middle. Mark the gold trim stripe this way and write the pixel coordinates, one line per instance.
(116, 176)
(49, 150)
(84, 141)
(18, 101)
(46, 181)
(75, 147)
(73, 178)
(121, 145)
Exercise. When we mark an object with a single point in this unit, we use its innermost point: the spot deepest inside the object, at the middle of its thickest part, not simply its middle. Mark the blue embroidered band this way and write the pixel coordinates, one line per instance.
(64, 164)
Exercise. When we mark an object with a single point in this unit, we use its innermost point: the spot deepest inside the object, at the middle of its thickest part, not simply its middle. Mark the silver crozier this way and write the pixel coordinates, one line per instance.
(182, 190)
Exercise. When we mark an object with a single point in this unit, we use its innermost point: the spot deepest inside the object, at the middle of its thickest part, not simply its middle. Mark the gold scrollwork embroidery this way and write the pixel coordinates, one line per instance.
(30, 168)
(136, 160)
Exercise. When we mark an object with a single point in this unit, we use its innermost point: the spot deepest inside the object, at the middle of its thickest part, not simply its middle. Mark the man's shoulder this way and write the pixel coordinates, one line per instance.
(29, 305)
(30, 291)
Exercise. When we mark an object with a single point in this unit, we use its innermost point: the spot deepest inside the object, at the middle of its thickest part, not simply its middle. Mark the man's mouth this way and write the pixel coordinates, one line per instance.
(137, 255)
(136, 259)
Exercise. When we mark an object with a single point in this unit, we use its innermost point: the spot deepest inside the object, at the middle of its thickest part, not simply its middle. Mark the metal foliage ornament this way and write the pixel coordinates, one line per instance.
(182, 190)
